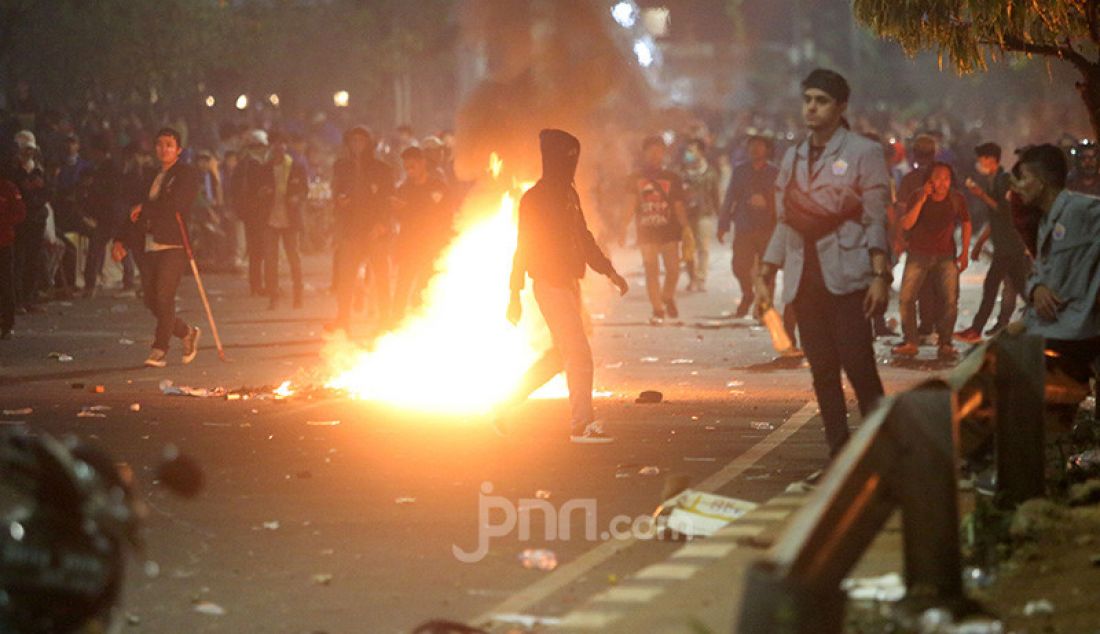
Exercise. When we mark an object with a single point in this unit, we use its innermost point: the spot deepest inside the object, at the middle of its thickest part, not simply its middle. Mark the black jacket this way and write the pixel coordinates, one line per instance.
(554, 244)
(361, 192)
(177, 194)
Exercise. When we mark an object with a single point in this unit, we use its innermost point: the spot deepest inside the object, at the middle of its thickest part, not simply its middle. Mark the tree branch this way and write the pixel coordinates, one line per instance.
(1068, 53)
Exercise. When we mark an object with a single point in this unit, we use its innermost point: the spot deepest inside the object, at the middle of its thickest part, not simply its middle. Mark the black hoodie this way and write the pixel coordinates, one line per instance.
(554, 244)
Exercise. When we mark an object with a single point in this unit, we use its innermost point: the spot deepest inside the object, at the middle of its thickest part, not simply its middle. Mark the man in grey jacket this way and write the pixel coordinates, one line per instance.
(831, 244)
(1064, 288)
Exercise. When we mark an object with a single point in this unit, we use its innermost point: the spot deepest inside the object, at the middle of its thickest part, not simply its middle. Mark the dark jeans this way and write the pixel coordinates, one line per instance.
(997, 275)
(929, 307)
(30, 260)
(255, 234)
(748, 248)
(97, 251)
(289, 238)
(942, 271)
(350, 256)
(7, 287)
(161, 272)
(837, 336)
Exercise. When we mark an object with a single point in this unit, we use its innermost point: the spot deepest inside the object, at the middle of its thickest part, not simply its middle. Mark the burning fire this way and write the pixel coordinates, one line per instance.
(457, 353)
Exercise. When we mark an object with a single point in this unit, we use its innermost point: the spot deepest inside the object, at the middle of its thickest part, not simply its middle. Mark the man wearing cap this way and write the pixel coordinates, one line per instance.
(750, 207)
(831, 197)
(362, 189)
(989, 187)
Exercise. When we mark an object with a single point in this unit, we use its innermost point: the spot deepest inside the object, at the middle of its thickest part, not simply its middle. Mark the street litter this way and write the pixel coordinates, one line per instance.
(19, 412)
(405, 500)
(761, 425)
(649, 397)
(322, 423)
(735, 383)
(539, 559)
(135, 407)
(649, 359)
(696, 514)
(542, 494)
(888, 587)
(99, 389)
(762, 476)
(126, 342)
(526, 621)
(649, 471)
(1041, 606)
(690, 459)
(798, 487)
(60, 356)
(95, 411)
(321, 579)
(209, 608)
(272, 525)
(682, 361)
(613, 366)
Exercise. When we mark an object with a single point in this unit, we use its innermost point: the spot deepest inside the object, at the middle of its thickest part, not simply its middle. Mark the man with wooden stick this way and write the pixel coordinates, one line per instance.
(158, 221)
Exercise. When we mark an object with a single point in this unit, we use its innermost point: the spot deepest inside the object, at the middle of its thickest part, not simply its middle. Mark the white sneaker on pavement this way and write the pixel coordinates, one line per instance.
(592, 434)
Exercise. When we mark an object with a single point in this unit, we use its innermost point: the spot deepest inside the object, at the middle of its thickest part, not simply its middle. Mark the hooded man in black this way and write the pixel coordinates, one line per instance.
(555, 248)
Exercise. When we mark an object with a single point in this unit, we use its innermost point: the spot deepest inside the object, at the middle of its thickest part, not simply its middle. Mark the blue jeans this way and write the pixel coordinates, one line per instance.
(944, 272)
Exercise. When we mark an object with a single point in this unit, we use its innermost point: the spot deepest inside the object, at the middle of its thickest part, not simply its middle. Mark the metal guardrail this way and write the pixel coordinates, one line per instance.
(905, 456)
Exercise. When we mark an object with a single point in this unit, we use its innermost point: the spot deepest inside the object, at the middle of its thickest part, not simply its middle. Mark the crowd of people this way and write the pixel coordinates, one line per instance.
(847, 205)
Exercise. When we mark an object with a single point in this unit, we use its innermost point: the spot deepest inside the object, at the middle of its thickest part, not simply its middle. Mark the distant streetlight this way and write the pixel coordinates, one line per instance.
(210, 101)
(340, 99)
(274, 99)
(242, 102)
(624, 14)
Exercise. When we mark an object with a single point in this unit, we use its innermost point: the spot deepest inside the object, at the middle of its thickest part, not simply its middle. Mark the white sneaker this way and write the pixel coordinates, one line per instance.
(157, 358)
(191, 345)
(592, 434)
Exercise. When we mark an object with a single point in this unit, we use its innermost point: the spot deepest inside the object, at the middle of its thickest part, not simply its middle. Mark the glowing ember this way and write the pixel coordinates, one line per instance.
(457, 353)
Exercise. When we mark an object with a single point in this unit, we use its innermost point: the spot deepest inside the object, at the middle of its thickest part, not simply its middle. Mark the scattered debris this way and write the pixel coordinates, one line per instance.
(526, 621)
(209, 608)
(60, 356)
(696, 514)
(1038, 608)
(649, 397)
(321, 579)
(762, 425)
(132, 619)
(735, 383)
(322, 423)
(761, 476)
(135, 407)
(99, 389)
(975, 577)
(682, 361)
(613, 366)
(649, 471)
(542, 494)
(126, 342)
(701, 459)
(539, 559)
(19, 412)
(649, 359)
(889, 587)
(273, 525)
(404, 500)
(93, 411)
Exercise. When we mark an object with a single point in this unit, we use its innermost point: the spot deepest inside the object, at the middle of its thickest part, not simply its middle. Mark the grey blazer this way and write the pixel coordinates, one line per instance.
(1068, 262)
(851, 165)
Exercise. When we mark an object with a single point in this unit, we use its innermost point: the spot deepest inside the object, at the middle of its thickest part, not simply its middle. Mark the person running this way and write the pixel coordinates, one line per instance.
(554, 248)
(831, 197)
(163, 261)
(661, 220)
(990, 188)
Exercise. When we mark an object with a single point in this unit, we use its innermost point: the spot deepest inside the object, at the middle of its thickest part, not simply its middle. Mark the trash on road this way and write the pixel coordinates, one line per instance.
(649, 397)
(171, 389)
(613, 366)
(697, 514)
(649, 471)
(539, 559)
(209, 608)
(799, 487)
(889, 587)
(682, 361)
(1038, 608)
(761, 425)
(542, 494)
(649, 359)
(526, 621)
(23, 411)
(135, 407)
(735, 383)
(60, 356)
(760, 476)
(699, 459)
(404, 500)
(99, 389)
(321, 579)
(93, 411)
(126, 342)
(273, 525)
(322, 423)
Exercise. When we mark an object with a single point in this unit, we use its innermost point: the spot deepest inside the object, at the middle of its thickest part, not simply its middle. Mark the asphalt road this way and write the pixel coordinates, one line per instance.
(352, 527)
